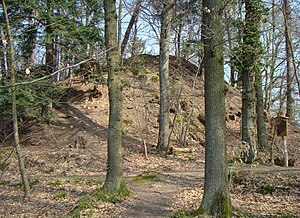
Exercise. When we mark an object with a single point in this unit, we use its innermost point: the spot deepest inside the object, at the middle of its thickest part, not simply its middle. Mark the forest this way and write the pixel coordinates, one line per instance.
(149, 108)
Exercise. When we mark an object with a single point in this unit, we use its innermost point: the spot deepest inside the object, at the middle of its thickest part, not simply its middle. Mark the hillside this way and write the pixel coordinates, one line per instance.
(69, 154)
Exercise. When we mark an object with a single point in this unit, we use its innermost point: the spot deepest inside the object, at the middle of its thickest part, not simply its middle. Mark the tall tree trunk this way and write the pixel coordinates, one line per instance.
(260, 121)
(269, 82)
(178, 29)
(33, 39)
(120, 24)
(166, 17)
(179, 39)
(114, 161)
(240, 31)
(14, 105)
(251, 68)
(135, 45)
(290, 101)
(216, 198)
(230, 47)
(3, 58)
(49, 38)
(130, 25)
(89, 50)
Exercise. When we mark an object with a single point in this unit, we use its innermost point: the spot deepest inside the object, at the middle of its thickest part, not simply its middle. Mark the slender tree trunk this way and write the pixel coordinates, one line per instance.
(268, 98)
(230, 47)
(166, 17)
(179, 31)
(3, 58)
(216, 198)
(49, 39)
(177, 28)
(239, 36)
(290, 101)
(260, 121)
(135, 45)
(34, 35)
(89, 50)
(130, 25)
(269, 85)
(120, 25)
(14, 106)
(114, 162)
(273, 124)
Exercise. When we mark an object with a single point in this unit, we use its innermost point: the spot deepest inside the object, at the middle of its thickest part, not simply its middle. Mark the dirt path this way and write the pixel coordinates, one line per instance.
(151, 200)
(157, 199)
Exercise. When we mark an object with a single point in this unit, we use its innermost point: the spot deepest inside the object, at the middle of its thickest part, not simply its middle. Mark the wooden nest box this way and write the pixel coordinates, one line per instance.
(281, 123)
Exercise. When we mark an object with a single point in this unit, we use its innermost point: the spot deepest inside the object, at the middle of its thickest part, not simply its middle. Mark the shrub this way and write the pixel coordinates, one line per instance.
(33, 100)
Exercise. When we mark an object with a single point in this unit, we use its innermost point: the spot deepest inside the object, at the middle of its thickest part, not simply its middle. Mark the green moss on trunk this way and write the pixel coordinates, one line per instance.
(220, 206)
(225, 205)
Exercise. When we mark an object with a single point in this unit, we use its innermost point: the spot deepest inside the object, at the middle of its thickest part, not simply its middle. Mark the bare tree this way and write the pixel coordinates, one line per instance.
(164, 121)
(132, 21)
(114, 161)
(22, 169)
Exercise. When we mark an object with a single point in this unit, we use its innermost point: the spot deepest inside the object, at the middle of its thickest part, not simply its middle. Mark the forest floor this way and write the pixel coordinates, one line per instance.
(66, 160)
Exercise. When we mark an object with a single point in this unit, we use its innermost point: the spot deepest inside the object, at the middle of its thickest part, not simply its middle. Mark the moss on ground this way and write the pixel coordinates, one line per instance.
(149, 176)
(87, 203)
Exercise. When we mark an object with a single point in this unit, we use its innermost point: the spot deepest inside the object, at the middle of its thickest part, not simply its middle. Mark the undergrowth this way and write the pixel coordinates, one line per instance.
(61, 194)
(185, 214)
(87, 203)
(238, 212)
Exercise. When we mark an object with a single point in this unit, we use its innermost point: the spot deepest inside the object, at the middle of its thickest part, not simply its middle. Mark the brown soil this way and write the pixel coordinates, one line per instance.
(67, 159)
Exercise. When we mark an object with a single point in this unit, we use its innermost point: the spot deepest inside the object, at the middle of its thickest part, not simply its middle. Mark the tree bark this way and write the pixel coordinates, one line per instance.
(260, 121)
(135, 42)
(32, 41)
(164, 131)
(230, 47)
(250, 68)
(22, 169)
(290, 101)
(114, 161)
(178, 29)
(3, 58)
(240, 31)
(216, 198)
(50, 57)
(120, 24)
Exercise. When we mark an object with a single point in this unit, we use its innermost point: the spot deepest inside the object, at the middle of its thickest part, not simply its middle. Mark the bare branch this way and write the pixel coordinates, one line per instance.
(58, 71)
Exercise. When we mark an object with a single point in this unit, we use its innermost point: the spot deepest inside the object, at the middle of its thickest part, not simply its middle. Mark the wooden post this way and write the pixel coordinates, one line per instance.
(285, 153)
